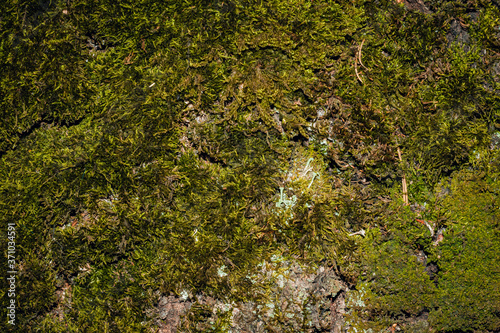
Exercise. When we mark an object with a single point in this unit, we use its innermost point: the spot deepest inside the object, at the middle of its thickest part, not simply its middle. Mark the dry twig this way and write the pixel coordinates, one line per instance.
(405, 189)
(359, 54)
(356, 70)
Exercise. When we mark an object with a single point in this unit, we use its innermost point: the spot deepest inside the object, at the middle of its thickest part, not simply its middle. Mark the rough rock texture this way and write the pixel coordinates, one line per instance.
(170, 309)
(458, 34)
(416, 5)
(306, 302)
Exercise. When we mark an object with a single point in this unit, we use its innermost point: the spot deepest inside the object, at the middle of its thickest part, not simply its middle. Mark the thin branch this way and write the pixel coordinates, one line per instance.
(356, 70)
(405, 189)
(359, 54)
(424, 222)
(362, 232)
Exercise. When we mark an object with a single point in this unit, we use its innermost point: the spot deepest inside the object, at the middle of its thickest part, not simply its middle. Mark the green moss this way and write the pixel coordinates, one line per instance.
(463, 296)
(144, 145)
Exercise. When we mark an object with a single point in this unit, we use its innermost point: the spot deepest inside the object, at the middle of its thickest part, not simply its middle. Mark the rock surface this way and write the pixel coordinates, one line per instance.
(302, 301)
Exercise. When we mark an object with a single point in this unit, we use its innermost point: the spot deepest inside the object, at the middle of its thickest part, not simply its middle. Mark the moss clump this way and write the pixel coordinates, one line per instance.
(451, 278)
(144, 145)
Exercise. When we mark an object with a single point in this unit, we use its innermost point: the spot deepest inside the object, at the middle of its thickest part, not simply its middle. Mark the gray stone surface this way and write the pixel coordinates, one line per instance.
(301, 302)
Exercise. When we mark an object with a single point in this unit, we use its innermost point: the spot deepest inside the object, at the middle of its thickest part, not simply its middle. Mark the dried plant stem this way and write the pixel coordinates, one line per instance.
(356, 70)
(359, 54)
(405, 188)
(356, 59)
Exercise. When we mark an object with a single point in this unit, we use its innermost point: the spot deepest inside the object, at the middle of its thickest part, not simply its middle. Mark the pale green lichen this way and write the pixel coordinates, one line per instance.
(221, 272)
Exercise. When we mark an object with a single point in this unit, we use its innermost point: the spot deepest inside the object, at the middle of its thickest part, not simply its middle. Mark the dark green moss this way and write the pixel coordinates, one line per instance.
(144, 146)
